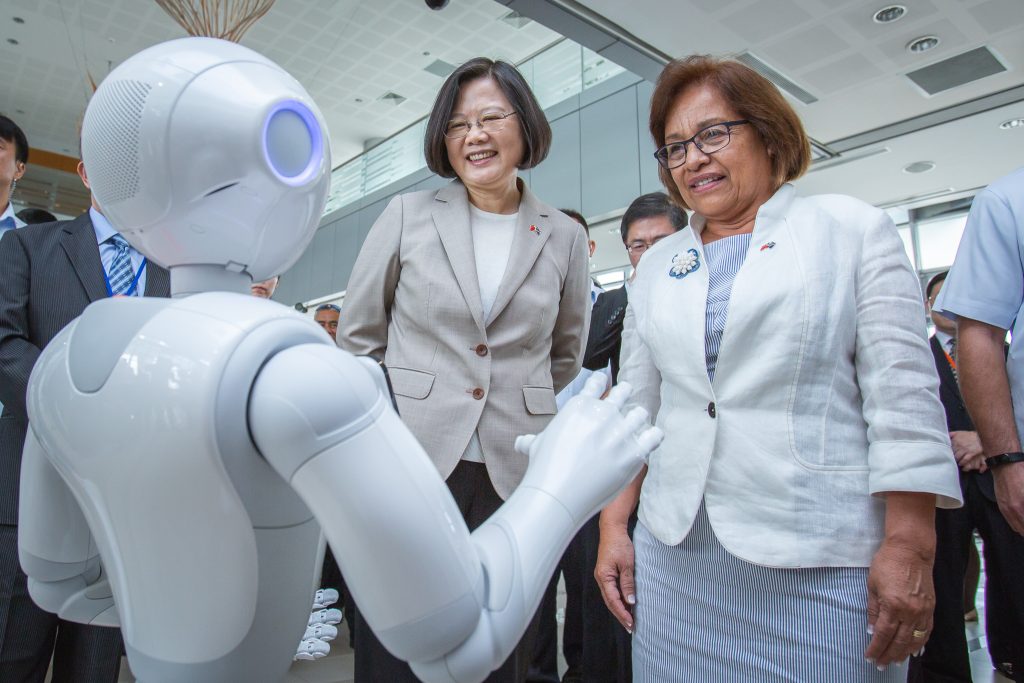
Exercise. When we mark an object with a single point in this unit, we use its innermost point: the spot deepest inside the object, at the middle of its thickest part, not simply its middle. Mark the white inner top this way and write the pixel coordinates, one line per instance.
(492, 244)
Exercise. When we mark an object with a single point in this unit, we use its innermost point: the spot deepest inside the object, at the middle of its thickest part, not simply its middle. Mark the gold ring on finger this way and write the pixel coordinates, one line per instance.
(918, 633)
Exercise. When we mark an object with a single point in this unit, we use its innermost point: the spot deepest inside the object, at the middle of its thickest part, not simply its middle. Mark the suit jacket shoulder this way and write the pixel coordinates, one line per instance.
(957, 418)
(604, 342)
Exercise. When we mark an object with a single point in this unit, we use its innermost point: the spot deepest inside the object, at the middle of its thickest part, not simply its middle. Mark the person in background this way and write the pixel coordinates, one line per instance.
(787, 522)
(265, 288)
(13, 158)
(984, 294)
(946, 658)
(606, 655)
(31, 215)
(648, 219)
(573, 567)
(49, 273)
(326, 316)
(477, 298)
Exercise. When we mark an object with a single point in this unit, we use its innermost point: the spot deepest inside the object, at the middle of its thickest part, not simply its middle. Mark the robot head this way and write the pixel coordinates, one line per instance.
(205, 153)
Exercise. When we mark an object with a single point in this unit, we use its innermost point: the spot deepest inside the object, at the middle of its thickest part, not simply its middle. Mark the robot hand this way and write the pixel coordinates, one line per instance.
(590, 448)
(316, 642)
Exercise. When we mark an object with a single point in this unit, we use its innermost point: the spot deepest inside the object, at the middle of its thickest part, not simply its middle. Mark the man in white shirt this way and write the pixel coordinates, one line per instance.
(984, 294)
(946, 657)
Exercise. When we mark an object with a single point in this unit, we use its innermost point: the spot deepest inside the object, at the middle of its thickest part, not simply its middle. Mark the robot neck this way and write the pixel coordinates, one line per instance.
(196, 278)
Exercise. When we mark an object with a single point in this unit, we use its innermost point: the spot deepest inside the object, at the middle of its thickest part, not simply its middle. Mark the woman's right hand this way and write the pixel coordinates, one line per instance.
(614, 573)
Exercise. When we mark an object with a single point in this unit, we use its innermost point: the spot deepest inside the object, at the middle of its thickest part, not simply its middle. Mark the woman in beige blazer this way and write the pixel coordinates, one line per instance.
(477, 299)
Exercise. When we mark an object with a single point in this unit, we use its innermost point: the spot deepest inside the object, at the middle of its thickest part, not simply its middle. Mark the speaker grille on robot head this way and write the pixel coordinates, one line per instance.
(115, 145)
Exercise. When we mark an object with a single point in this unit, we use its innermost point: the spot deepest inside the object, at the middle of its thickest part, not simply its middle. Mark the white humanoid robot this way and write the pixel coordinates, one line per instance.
(184, 453)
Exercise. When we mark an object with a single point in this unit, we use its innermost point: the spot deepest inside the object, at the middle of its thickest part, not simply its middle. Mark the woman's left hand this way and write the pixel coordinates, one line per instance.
(901, 602)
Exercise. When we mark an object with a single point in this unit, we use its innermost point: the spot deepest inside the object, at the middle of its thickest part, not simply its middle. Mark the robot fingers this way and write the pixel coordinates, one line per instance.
(312, 648)
(649, 439)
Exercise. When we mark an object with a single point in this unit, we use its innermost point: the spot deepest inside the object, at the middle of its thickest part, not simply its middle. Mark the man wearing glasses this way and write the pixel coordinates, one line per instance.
(651, 217)
(648, 219)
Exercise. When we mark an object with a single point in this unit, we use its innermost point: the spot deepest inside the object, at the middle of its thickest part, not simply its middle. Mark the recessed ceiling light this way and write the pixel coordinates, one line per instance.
(19, 111)
(426, 53)
(889, 14)
(1012, 123)
(12, 41)
(17, 20)
(923, 44)
(359, 100)
(919, 167)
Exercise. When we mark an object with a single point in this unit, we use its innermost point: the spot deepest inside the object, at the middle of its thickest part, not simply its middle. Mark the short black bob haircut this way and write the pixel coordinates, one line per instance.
(532, 122)
(652, 205)
(10, 132)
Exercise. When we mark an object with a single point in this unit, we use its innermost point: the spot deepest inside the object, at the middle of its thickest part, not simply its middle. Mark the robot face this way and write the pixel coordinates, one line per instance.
(201, 151)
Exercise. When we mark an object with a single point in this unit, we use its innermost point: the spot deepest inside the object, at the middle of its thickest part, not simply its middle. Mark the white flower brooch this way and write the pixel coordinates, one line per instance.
(684, 264)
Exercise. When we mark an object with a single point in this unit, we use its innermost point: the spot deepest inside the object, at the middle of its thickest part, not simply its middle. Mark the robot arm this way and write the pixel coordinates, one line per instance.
(452, 604)
(64, 572)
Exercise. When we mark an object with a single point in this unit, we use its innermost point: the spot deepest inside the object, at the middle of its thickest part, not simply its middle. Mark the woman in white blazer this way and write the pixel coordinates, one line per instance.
(787, 521)
(477, 298)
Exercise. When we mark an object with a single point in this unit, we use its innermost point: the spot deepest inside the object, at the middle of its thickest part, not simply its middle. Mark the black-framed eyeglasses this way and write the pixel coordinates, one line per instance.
(708, 140)
(639, 246)
(490, 122)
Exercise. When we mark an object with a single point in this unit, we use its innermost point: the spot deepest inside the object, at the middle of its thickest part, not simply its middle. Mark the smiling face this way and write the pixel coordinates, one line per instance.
(728, 186)
(486, 163)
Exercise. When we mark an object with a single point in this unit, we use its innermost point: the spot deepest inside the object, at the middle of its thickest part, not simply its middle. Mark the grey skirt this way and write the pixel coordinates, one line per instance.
(705, 615)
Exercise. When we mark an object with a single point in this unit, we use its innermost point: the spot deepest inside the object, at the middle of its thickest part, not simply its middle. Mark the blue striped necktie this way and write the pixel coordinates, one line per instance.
(120, 276)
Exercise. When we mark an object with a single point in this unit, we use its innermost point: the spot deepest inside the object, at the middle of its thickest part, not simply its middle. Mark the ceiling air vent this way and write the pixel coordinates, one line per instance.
(780, 81)
(391, 98)
(956, 71)
(439, 67)
(515, 19)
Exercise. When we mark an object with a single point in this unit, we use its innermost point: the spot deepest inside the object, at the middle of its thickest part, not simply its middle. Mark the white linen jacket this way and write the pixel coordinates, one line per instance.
(825, 392)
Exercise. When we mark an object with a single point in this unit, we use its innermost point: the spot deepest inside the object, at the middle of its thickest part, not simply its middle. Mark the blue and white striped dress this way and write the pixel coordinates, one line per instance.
(705, 615)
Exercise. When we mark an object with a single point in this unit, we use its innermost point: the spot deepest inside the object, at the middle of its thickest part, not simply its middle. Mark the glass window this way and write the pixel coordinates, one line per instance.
(561, 71)
(939, 240)
(908, 241)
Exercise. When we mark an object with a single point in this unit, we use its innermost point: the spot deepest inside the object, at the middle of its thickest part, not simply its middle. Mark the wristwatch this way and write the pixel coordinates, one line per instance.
(1004, 459)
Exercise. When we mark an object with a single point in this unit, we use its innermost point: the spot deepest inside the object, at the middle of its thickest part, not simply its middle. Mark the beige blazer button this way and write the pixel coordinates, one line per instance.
(481, 350)
(478, 393)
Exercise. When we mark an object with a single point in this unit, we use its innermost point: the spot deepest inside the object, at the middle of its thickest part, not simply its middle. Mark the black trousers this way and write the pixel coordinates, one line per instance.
(477, 500)
(607, 647)
(544, 667)
(29, 636)
(946, 658)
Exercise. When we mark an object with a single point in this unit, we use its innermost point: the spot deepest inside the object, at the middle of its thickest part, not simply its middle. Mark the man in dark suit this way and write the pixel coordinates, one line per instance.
(648, 219)
(49, 273)
(946, 657)
(606, 645)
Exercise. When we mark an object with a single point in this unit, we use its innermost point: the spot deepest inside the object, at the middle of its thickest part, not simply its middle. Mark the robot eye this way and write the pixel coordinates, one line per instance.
(292, 142)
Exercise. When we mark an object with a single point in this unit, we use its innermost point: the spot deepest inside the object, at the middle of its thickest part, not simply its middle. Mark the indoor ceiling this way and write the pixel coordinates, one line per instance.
(867, 108)
(348, 54)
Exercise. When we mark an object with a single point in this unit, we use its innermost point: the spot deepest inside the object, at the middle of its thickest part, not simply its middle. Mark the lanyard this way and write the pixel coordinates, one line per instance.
(952, 365)
(135, 280)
